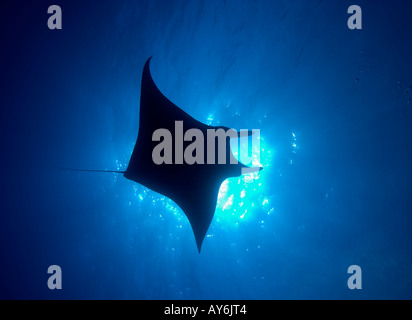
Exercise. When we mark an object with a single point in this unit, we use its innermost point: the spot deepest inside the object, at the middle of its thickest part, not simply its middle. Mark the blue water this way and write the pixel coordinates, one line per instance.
(334, 109)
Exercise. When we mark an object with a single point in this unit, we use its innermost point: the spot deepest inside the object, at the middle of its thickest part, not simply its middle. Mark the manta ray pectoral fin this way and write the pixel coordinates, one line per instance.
(199, 206)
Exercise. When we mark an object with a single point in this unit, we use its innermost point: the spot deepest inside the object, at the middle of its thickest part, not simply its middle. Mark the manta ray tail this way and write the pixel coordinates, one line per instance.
(89, 170)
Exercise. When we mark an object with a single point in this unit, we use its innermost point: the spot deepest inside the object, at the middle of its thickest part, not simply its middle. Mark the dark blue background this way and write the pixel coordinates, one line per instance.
(70, 98)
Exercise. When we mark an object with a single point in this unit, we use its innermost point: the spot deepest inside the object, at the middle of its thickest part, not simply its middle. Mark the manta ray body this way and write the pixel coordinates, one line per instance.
(193, 187)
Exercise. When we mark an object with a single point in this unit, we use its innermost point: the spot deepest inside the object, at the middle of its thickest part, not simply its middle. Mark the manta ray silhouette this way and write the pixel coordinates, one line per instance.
(193, 187)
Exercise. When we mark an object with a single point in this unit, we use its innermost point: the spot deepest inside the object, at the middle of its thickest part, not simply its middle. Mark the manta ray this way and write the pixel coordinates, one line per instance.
(193, 187)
